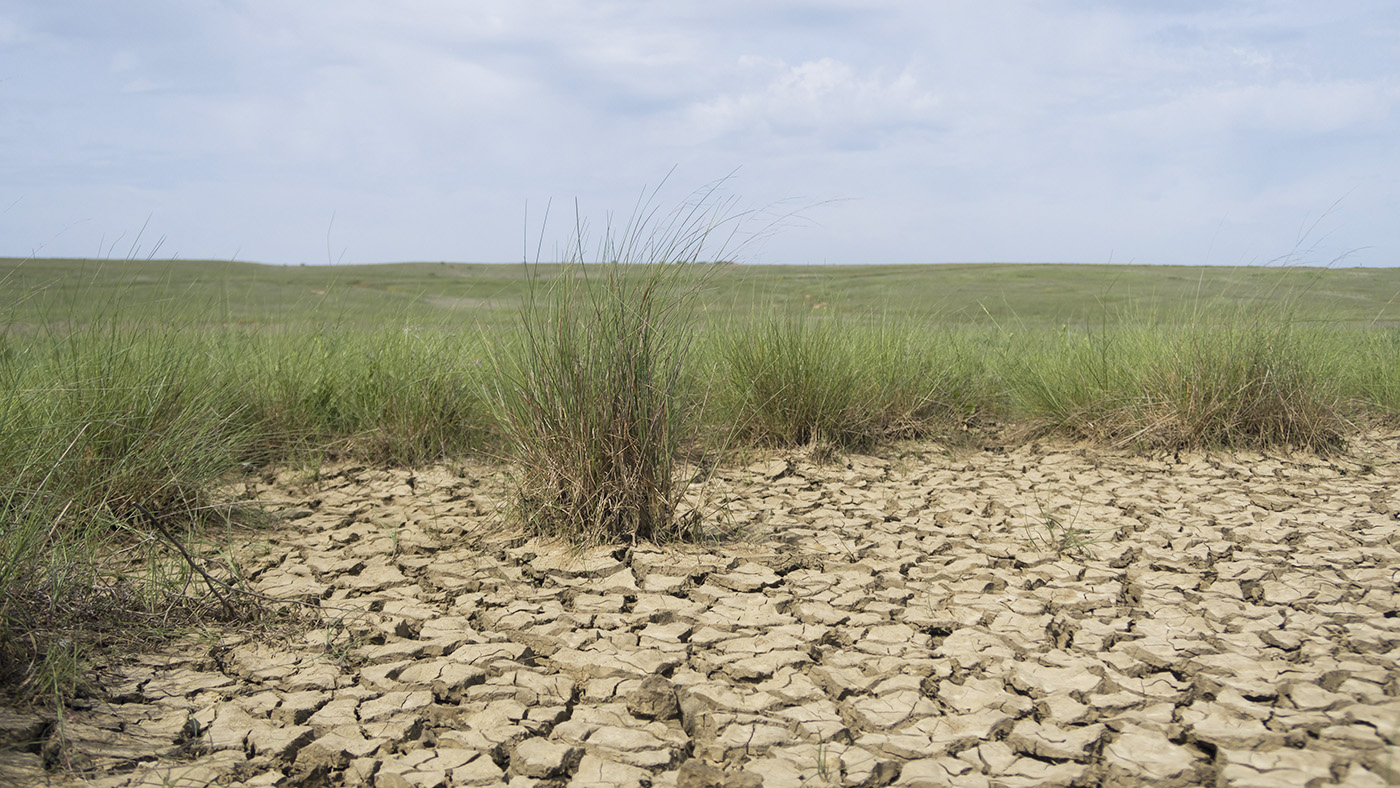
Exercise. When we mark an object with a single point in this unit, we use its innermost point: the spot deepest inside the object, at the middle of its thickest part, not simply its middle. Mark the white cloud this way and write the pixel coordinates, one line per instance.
(1002, 129)
(824, 99)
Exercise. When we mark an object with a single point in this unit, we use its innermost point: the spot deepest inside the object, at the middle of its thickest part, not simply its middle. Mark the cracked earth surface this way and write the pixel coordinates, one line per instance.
(1040, 616)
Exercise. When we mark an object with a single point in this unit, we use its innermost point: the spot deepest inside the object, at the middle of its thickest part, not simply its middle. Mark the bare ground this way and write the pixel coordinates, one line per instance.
(1044, 616)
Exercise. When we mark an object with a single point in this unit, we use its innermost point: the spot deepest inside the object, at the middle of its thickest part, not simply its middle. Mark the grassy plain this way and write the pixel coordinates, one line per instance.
(129, 389)
(489, 295)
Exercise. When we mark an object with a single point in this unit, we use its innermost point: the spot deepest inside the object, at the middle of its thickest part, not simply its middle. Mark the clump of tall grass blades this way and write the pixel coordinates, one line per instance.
(793, 381)
(404, 395)
(109, 438)
(115, 432)
(592, 393)
(1227, 383)
(1242, 385)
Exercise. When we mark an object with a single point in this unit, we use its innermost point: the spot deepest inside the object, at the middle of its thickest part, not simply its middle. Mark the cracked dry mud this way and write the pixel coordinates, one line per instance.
(1033, 617)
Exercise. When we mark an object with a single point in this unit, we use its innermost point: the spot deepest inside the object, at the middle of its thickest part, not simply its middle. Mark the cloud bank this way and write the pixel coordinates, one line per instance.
(1223, 133)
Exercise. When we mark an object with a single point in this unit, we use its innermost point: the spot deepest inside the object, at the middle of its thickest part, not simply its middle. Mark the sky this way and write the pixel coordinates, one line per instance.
(1234, 132)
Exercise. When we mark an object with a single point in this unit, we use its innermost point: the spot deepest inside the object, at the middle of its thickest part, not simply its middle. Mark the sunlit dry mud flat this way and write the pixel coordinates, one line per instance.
(1043, 616)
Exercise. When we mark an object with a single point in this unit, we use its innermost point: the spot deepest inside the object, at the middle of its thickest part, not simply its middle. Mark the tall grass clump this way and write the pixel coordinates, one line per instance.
(1070, 381)
(403, 395)
(797, 380)
(1369, 374)
(120, 420)
(1242, 384)
(591, 395)
(1223, 380)
(109, 437)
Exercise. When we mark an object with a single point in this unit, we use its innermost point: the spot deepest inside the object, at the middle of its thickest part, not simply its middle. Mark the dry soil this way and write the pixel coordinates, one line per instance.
(1040, 616)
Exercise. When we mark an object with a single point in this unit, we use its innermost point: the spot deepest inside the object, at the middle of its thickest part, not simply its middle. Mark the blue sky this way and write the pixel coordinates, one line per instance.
(1063, 130)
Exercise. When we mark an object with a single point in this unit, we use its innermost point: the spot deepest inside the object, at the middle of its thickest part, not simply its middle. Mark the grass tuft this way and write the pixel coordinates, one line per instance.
(591, 394)
(400, 395)
(1239, 386)
(793, 381)
(1231, 383)
(109, 439)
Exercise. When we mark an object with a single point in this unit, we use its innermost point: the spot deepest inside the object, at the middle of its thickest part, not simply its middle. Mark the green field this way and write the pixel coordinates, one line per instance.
(434, 294)
(130, 390)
